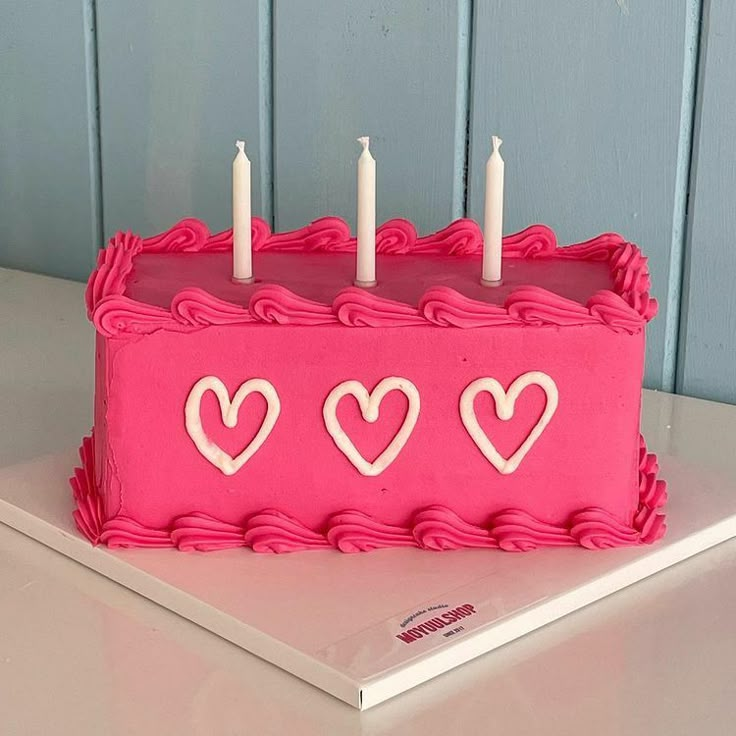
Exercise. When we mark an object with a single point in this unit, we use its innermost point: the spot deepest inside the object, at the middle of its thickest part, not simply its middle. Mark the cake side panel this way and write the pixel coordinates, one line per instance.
(103, 478)
(586, 457)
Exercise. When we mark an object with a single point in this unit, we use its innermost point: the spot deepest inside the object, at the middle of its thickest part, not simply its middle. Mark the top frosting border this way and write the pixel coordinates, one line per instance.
(625, 308)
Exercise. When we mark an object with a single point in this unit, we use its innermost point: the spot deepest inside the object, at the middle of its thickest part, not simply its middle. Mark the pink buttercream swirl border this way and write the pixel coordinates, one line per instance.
(625, 308)
(432, 528)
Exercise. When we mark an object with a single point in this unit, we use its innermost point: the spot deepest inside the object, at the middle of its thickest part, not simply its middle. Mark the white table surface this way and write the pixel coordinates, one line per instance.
(80, 655)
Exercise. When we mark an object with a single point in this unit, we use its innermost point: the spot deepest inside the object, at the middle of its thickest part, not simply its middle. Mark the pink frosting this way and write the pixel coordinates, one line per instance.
(187, 236)
(222, 242)
(625, 309)
(122, 532)
(354, 531)
(356, 307)
(519, 531)
(118, 314)
(626, 257)
(439, 528)
(599, 248)
(273, 531)
(632, 279)
(89, 512)
(530, 305)
(643, 304)
(650, 525)
(396, 237)
(201, 532)
(325, 234)
(536, 306)
(260, 232)
(195, 306)
(652, 496)
(536, 241)
(447, 307)
(435, 527)
(278, 305)
(597, 529)
(114, 265)
(613, 311)
(653, 491)
(461, 237)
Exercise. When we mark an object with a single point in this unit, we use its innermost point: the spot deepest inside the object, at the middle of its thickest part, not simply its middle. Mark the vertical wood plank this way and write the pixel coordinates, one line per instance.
(180, 81)
(588, 98)
(707, 348)
(345, 68)
(48, 175)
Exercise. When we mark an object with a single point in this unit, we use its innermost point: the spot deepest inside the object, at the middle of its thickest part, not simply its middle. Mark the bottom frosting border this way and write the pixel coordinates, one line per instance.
(435, 527)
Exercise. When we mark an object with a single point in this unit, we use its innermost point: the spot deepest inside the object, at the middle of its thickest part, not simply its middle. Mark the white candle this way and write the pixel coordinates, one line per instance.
(493, 217)
(365, 269)
(242, 256)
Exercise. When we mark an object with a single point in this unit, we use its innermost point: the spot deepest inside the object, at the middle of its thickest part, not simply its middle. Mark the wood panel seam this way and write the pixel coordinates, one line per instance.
(94, 131)
(266, 103)
(463, 92)
(680, 306)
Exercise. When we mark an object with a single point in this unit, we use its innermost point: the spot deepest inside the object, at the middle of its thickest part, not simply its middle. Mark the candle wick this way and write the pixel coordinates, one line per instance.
(364, 141)
(496, 143)
(240, 145)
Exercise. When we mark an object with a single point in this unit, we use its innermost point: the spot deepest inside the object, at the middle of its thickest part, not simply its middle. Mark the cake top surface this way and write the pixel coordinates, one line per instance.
(157, 278)
(180, 280)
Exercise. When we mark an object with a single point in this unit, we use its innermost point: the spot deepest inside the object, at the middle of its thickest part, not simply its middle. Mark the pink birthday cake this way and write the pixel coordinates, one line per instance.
(301, 412)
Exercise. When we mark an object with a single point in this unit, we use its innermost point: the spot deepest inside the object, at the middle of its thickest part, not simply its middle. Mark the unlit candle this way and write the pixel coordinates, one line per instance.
(493, 217)
(242, 246)
(365, 269)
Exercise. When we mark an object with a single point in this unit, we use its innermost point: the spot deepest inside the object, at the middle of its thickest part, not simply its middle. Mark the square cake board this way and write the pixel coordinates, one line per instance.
(333, 619)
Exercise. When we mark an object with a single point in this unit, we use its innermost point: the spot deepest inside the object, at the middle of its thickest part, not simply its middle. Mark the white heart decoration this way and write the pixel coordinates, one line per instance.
(369, 407)
(505, 402)
(227, 464)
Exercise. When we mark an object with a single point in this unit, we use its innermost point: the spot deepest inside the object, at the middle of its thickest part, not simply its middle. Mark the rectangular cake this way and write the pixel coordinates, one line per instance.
(303, 412)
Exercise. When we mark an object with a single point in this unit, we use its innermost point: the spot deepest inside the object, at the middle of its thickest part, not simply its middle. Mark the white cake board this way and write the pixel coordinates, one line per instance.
(332, 619)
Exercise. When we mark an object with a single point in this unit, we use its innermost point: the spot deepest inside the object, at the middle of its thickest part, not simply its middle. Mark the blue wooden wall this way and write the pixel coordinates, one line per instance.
(616, 115)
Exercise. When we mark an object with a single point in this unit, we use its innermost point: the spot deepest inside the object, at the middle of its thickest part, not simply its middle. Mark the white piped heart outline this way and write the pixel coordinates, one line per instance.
(369, 404)
(212, 452)
(505, 402)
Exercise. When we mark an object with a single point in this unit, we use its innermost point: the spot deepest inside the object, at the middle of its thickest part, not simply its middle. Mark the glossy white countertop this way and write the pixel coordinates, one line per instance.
(81, 655)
